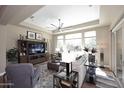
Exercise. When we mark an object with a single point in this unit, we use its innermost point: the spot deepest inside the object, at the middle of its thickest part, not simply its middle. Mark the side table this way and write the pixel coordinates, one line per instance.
(61, 80)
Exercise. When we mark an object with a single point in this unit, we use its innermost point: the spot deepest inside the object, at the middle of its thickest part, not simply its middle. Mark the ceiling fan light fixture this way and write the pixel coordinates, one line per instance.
(60, 25)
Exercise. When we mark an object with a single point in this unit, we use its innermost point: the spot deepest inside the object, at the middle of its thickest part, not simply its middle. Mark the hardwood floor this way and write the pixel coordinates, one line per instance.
(1, 81)
(88, 85)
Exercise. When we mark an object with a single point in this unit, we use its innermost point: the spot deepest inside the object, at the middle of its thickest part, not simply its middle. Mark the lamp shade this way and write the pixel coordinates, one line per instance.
(57, 49)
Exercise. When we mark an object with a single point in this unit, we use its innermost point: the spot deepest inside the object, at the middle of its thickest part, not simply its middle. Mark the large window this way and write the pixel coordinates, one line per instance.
(73, 42)
(90, 39)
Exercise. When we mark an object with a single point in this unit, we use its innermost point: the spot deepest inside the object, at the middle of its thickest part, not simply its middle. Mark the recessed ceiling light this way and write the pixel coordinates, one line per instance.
(32, 17)
(90, 5)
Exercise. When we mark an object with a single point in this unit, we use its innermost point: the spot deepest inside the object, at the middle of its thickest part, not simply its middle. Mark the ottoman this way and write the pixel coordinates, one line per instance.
(53, 66)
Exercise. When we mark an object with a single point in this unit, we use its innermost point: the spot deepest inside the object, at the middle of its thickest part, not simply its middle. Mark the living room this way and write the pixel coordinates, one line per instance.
(36, 25)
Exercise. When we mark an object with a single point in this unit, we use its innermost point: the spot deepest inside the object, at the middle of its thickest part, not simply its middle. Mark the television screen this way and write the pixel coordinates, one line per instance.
(36, 48)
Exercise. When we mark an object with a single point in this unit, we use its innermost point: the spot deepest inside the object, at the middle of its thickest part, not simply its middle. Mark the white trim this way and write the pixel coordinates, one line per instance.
(1, 74)
(118, 25)
(107, 66)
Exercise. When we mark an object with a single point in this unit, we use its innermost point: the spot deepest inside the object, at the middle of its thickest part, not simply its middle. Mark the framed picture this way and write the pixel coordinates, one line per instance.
(30, 35)
(38, 36)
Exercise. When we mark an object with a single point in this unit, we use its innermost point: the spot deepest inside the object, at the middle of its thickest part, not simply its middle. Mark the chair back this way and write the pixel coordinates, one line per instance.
(20, 75)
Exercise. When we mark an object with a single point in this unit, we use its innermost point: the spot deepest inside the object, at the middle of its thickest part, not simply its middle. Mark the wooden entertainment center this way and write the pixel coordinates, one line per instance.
(32, 51)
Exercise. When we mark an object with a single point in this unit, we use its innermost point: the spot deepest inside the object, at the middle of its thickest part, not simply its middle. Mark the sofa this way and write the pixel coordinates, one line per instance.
(22, 75)
(78, 65)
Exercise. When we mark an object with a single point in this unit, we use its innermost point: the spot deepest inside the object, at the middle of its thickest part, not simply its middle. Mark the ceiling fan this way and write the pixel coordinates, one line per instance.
(59, 27)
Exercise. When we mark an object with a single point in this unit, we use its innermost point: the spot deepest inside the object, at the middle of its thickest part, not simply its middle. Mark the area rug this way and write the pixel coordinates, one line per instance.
(46, 76)
(106, 79)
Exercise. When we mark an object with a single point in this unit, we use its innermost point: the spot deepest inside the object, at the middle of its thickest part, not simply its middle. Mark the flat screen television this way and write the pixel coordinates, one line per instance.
(36, 48)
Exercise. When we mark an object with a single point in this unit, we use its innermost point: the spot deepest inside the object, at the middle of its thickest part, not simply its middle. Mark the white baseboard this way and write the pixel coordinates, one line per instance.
(107, 66)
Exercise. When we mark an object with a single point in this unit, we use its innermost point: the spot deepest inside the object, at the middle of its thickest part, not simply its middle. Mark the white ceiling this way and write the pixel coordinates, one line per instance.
(70, 15)
(110, 14)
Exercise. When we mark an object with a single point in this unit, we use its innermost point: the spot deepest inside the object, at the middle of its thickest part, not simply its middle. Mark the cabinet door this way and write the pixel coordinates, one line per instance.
(23, 59)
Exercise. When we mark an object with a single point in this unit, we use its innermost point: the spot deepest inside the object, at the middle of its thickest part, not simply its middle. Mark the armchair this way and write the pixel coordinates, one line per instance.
(22, 75)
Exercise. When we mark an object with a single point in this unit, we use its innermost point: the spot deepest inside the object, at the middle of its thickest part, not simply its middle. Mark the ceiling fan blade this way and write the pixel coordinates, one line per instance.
(54, 25)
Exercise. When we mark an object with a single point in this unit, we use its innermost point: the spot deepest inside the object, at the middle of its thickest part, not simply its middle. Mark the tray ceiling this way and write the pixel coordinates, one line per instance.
(70, 15)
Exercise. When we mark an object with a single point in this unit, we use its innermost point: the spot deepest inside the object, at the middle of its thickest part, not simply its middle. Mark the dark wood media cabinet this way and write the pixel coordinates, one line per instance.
(24, 55)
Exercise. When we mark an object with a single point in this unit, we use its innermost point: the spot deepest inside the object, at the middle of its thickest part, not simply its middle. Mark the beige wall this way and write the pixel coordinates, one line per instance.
(2, 49)
(103, 39)
(103, 36)
(9, 34)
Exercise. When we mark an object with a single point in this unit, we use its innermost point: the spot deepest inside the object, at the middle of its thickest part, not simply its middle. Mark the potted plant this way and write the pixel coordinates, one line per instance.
(12, 55)
(94, 50)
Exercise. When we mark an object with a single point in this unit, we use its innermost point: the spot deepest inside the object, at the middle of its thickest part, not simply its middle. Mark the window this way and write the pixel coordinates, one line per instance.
(73, 42)
(90, 39)
(60, 42)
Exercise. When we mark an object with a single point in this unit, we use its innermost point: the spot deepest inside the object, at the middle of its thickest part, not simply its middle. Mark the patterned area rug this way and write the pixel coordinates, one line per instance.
(105, 78)
(46, 77)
